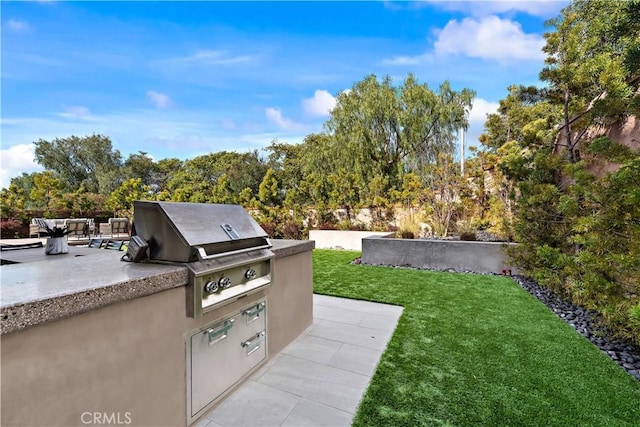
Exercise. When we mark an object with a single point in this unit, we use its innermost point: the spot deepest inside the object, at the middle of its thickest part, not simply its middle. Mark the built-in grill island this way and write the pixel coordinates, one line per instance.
(229, 258)
(151, 343)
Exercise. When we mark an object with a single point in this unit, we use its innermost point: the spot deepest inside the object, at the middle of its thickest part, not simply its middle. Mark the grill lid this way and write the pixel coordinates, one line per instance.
(186, 232)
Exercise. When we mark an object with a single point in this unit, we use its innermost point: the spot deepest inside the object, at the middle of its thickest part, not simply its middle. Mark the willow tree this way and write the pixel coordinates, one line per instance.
(383, 130)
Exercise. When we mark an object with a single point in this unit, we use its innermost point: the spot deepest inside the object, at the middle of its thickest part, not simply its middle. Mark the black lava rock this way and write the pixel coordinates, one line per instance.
(587, 323)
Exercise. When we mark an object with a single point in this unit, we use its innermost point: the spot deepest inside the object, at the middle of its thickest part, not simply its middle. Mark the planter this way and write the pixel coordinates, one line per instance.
(56, 245)
(480, 257)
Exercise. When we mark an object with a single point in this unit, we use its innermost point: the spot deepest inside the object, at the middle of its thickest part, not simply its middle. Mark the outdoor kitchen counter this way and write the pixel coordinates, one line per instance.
(89, 334)
(43, 288)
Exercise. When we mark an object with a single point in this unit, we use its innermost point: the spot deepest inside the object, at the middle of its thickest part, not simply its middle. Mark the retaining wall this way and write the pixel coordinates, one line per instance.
(481, 257)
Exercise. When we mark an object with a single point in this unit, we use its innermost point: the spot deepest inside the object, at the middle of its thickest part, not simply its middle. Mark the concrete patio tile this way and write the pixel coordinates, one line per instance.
(206, 422)
(317, 382)
(357, 305)
(356, 335)
(264, 368)
(308, 413)
(386, 322)
(312, 348)
(356, 359)
(254, 404)
(338, 314)
(318, 379)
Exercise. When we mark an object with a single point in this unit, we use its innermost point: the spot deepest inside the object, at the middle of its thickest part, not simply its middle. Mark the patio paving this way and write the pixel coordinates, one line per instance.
(319, 379)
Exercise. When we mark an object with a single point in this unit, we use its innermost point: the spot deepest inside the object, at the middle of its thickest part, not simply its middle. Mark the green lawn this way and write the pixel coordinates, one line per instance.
(477, 350)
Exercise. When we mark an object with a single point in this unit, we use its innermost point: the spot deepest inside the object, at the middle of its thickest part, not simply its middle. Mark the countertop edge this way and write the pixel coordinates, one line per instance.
(22, 316)
(284, 248)
(17, 317)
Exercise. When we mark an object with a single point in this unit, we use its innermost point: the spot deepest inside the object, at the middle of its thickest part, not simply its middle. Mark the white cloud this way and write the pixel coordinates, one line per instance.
(75, 111)
(15, 160)
(490, 38)
(477, 118)
(214, 57)
(320, 104)
(17, 25)
(275, 116)
(159, 99)
(228, 124)
(407, 60)
(480, 109)
(540, 8)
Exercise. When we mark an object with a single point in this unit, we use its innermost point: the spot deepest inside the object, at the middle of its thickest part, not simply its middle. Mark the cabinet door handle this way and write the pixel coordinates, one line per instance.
(253, 344)
(217, 335)
(253, 313)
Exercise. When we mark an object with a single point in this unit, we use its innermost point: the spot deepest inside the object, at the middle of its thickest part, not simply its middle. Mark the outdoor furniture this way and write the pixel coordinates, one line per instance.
(92, 227)
(38, 226)
(78, 227)
(119, 226)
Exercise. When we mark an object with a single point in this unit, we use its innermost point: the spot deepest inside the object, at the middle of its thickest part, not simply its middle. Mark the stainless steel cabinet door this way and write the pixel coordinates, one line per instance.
(223, 353)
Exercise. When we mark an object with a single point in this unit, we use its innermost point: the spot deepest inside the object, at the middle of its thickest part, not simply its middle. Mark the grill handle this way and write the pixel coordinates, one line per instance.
(202, 253)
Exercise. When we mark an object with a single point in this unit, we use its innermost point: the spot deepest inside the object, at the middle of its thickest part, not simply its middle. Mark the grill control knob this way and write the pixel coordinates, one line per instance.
(211, 287)
(250, 274)
(224, 282)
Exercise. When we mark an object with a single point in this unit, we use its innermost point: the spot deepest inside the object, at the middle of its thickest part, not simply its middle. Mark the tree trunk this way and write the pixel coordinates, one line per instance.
(567, 127)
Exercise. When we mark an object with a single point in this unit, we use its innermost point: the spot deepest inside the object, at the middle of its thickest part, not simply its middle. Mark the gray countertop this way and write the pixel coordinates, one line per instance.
(42, 288)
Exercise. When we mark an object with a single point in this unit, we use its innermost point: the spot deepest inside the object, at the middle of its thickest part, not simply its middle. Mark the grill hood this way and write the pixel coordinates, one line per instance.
(187, 232)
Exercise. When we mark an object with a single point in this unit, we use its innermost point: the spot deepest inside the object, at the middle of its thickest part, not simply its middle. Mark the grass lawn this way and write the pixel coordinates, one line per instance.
(477, 350)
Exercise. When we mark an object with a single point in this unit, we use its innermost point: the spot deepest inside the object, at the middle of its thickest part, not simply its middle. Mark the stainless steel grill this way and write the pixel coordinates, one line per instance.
(225, 249)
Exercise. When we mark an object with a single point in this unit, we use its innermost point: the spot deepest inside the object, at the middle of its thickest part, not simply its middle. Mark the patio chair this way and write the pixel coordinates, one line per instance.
(78, 227)
(119, 226)
(92, 227)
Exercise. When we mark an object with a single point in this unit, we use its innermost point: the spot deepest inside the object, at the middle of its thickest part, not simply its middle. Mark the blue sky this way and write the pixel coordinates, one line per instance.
(181, 79)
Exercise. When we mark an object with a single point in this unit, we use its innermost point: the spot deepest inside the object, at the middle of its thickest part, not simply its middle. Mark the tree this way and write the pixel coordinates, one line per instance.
(269, 192)
(381, 130)
(140, 165)
(47, 190)
(165, 170)
(442, 194)
(578, 233)
(121, 200)
(89, 161)
(196, 180)
(590, 66)
(287, 162)
(12, 201)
